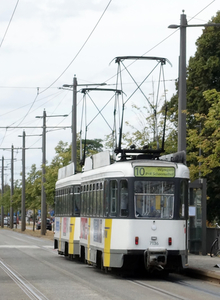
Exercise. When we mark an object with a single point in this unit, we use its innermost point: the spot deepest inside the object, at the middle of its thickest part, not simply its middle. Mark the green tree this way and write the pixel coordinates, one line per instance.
(203, 74)
(207, 139)
(203, 71)
(33, 189)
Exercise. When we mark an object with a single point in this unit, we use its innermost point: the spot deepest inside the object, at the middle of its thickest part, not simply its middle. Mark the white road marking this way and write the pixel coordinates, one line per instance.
(20, 246)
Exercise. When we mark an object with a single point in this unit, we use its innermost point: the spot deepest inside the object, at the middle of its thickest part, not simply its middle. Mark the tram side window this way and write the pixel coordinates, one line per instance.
(87, 200)
(76, 200)
(106, 199)
(101, 199)
(183, 198)
(124, 198)
(94, 199)
(82, 200)
(90, 199)
(113, 197)
(56, 203)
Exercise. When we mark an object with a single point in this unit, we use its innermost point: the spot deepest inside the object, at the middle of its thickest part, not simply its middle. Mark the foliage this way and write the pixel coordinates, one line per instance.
(203, 75)
(208, 138)
(33, 180)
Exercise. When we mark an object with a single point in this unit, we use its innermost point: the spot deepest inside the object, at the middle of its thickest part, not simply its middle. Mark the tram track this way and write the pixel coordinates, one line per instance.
(32, 292)
(165, 293)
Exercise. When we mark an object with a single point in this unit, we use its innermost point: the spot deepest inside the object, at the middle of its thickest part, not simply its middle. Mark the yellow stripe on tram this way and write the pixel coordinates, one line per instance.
(59, 248)
(71, 237)
(107, 242)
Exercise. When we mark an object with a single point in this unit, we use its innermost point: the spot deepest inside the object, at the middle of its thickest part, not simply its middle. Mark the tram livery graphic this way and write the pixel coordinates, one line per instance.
(129, 213)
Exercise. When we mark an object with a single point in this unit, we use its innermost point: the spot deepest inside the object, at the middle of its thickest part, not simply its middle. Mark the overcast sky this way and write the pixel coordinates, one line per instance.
(45, 43)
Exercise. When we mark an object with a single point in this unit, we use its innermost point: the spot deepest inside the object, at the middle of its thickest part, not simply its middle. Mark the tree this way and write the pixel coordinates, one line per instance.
(203, 74)
(204, 69)
(207, 139)
(33, 188)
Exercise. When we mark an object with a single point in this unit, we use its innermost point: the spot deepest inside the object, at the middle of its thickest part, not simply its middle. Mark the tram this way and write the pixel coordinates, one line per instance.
(67, 211)
(132, 212)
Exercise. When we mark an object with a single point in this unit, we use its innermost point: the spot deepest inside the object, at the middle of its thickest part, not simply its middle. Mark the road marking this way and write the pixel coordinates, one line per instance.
(20, 246)
(48, 247)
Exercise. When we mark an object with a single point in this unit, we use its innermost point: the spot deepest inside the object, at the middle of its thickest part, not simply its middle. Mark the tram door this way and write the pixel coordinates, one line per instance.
(197, 217)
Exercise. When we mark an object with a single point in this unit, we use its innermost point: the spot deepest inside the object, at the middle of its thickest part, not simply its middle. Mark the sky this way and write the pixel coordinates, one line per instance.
(45, 43)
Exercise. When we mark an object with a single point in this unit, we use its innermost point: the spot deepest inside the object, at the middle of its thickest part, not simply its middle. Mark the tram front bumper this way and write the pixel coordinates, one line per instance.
(155, 258)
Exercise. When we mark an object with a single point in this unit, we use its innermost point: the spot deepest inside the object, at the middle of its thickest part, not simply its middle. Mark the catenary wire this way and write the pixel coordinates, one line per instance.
(9, 23)
(99, 20)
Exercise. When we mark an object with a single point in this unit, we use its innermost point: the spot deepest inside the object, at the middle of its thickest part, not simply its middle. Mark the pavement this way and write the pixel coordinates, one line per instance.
(204, 266)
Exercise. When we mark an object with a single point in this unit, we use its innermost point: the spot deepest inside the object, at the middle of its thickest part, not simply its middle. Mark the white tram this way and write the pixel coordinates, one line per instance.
(132, 213)
(67, 211)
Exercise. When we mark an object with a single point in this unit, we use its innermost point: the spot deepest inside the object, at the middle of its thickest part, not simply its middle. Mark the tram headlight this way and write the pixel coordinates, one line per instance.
(169, 241)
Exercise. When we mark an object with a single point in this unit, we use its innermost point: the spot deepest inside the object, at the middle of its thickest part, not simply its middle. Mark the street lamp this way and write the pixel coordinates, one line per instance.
(182, 78)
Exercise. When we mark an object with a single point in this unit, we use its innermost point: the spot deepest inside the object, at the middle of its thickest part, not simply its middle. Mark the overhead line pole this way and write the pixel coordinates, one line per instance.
(2, 207)
(23, 210)
(12, 188)
(43, 194)
(74, 115)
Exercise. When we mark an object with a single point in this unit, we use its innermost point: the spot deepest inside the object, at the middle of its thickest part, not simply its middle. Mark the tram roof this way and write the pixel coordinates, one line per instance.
(126, 169)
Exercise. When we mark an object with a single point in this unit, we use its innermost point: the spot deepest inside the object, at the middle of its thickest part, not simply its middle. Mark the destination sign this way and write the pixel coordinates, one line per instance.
(154, 171)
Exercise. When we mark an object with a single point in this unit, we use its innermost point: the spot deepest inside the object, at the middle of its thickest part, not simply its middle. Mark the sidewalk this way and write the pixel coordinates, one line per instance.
(203, 266)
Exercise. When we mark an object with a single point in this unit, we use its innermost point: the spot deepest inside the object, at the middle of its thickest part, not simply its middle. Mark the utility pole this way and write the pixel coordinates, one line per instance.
(74, 121)
(23, 210)
(2, 207)
(12, 188)
(182, 87)
(74, 114)
(43, 194)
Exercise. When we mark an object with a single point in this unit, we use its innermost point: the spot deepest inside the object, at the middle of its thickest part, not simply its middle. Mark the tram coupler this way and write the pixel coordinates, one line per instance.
(155, 258)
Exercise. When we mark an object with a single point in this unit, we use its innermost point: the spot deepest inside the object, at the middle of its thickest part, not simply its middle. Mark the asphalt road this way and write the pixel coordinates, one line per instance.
(31, 269)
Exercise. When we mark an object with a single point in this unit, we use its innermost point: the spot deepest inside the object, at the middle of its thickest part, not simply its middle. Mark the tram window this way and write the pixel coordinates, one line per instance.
(183, 197)
(87, 200)
(154, 199)
(82, 201)
(94, 200)
(90, 199)
(124, 198)
(106, 199)
(97, 199)
(76, 200)
(101, 199)
(113, 197)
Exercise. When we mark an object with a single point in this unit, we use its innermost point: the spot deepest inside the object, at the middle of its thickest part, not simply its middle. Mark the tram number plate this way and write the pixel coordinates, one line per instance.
(154, 171)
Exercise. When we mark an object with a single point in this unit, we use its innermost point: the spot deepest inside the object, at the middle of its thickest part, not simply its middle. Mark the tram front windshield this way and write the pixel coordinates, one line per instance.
(154, 199)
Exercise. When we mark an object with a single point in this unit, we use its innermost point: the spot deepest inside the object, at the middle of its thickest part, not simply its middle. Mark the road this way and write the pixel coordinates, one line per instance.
(31, 269)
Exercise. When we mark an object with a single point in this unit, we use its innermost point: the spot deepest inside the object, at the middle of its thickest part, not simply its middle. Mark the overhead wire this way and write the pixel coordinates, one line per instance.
(87, 39)
(69, 63)
(9, 23)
